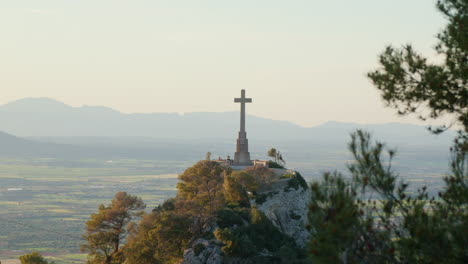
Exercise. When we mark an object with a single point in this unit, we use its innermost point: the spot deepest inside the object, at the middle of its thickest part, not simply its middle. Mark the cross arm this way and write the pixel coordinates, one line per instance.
(242, 100)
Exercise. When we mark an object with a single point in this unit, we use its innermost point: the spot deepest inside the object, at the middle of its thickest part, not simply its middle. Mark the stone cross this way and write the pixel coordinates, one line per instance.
(242, 155)
(242, 100)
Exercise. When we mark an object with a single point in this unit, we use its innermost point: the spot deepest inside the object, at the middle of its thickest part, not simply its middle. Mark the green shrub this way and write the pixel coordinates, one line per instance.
(295, 182)
(274, 165)
(168, 205)
(262, 197)
(246, 180)
(228, 218)
(234, 192)
(198, 248)
(242, 212)
(236, 242)
(301, 180)
(264, 234)
(287, 176)
(250, 240)
(263, 176)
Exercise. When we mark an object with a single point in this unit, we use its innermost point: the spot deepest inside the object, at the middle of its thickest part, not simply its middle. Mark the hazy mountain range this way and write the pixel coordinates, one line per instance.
(43, 127)
(43, 117)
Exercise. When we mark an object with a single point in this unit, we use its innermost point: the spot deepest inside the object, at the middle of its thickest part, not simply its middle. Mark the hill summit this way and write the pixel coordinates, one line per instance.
(220, 215)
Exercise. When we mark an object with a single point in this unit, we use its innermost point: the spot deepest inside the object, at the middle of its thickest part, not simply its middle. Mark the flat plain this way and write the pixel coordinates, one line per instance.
(45, 202)
(44, 207)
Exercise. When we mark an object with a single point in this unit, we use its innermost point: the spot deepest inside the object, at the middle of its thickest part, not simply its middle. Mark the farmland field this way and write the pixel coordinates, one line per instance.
(44, 203)
(44, 208)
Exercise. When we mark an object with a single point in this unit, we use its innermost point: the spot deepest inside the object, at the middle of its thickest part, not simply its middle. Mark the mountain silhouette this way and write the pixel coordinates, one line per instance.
(45, 117)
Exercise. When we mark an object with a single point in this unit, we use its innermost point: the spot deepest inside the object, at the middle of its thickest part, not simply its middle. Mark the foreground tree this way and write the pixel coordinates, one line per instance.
(161, 236)
(107, 228)
(371, 217)
(412, 85)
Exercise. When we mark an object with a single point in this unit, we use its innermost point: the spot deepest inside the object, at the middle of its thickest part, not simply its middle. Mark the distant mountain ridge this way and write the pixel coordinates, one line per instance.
(45, 117)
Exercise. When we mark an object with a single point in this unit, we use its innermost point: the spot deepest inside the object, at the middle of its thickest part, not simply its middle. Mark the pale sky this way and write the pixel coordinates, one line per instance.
(300, 60)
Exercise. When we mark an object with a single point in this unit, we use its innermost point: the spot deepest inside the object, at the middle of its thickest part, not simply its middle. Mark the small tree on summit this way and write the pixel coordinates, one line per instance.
(272, 153)
(106, 229)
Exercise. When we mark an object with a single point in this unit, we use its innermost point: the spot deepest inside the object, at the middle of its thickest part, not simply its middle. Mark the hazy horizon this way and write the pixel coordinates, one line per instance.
(22, 100)
(300, 61)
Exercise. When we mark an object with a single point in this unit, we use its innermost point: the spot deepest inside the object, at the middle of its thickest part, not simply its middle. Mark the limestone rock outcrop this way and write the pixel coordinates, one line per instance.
(203, 252)
(287, 207)
(284, 203)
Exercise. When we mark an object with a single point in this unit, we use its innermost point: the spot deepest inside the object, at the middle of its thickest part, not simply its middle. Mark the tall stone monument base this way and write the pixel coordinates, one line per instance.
(242, 155)
(242, 158)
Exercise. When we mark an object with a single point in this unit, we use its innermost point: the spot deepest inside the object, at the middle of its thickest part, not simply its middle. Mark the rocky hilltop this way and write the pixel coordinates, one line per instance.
(226, 214)
(284, 203)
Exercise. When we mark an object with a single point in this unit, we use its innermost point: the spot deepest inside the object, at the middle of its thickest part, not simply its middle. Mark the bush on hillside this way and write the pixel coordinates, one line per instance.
(274, 165)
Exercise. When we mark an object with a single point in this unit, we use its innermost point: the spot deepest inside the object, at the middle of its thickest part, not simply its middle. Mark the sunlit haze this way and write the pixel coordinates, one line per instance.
(301, 61)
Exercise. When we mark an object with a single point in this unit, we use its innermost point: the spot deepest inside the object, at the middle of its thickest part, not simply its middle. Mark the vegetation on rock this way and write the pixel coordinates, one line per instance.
(275, 165)
(161, 236)
(263, 176)
(295, 181)
(279, 161)
(371, 217)
(107, 229)
(259, 235)
(212, 203)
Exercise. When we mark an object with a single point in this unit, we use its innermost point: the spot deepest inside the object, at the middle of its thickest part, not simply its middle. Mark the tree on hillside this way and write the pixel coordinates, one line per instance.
(201, 189)
(272, 153)
(263, 175)
(107, 228)
(234, 192)
(161, 236)
(276, 154)
(411, 84)
(33, 258)
(371, 218)
(248, 181)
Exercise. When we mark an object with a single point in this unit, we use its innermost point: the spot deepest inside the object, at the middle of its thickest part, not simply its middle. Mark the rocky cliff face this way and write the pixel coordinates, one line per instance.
(287, 207)
(204, 251)
(285, 204)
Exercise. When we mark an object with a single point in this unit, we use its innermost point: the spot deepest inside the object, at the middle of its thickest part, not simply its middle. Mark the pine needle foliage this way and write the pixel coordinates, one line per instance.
(370, 217)
(411, 84)
(107, 229)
